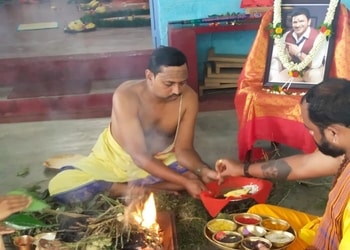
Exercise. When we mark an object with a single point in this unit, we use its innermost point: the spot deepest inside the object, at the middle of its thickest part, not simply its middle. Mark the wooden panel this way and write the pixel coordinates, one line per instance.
(222, 71)
(225, 57)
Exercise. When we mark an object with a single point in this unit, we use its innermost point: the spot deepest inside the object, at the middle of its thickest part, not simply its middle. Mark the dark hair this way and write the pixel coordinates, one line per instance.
(165, 56)
(301, 11)
(329, 103)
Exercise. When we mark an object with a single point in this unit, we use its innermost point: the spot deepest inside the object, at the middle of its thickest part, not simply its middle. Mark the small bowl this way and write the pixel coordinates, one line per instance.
(250, 243)
(280, 238)
(216, 225)
(24, 242)
(252, 230)
(274, 224)
(247, 219)
(227, 238)
(46, 236)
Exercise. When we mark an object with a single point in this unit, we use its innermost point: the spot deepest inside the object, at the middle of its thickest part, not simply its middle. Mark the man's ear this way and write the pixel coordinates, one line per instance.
(333, 133)
(149, 75)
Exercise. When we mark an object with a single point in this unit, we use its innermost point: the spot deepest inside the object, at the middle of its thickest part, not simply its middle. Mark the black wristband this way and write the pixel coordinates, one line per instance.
(246, 169)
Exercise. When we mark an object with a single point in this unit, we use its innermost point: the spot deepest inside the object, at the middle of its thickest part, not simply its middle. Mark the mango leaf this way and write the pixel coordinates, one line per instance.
(36, 205)
(22, 221)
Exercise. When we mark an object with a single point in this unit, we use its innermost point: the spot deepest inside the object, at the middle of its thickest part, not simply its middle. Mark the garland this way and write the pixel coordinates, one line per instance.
(276, 30)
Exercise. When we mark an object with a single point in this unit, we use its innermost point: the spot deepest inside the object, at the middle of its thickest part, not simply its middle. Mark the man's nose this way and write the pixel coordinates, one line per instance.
(176, 89)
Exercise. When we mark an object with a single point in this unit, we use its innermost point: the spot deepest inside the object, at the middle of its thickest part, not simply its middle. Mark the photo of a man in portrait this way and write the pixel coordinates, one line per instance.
(298, 41)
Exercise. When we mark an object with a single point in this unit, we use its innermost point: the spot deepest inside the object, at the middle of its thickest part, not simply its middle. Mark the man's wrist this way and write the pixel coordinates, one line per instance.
(199, 171)
(246, 169)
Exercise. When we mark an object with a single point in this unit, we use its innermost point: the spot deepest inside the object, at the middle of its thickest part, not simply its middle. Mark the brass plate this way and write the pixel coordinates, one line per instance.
(208, 234)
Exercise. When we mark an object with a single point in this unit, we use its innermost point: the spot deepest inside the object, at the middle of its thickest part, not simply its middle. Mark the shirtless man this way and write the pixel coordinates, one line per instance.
(149, 141)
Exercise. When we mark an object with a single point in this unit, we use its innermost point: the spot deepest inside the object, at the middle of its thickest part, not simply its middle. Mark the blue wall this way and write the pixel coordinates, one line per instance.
(237, 43)
(165, 11)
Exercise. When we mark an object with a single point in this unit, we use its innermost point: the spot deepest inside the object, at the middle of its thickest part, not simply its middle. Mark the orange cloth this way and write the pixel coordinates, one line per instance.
(296, 219)
(264, 116)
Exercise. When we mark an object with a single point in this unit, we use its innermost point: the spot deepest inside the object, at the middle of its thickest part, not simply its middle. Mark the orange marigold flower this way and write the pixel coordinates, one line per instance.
(294, 73)
(323, 29)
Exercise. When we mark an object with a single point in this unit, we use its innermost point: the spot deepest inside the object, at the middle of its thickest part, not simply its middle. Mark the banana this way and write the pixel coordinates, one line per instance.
(237, 192)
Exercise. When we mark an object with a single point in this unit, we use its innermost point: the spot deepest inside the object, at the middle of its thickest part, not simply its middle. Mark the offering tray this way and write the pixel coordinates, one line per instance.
(208, 235)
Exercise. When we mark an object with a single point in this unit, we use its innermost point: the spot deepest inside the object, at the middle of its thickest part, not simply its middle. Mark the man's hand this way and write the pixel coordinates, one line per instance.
(5, 230)
(209, 175)
(10, 204)
(293, 49)
(228, 167)
(194, 187)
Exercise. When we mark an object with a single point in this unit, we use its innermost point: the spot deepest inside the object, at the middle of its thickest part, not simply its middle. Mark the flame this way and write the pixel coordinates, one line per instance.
(147, 217)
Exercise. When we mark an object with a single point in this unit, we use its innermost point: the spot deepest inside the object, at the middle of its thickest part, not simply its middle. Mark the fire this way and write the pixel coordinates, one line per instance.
(147, 217)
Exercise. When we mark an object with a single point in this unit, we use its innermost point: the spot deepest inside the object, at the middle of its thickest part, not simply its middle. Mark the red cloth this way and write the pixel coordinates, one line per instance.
(215, 205)
(265, 116)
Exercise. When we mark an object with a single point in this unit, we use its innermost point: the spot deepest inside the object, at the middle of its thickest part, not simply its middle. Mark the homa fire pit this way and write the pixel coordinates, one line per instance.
(166, 221)
(138, 227)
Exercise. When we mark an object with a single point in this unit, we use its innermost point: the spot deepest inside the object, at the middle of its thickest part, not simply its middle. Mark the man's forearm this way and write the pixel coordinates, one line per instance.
(297, 167)
(157, 168)
(275, 169)
(190, 160)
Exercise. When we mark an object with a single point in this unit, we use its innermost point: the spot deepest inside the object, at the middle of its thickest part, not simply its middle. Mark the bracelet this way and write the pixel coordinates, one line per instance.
(246, 169)
(199, 170)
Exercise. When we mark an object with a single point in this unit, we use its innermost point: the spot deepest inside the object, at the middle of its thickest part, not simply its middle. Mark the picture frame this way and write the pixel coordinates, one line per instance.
(318, 70)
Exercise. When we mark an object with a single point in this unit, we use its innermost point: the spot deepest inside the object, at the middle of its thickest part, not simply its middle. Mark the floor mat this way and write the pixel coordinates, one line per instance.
(37, 26)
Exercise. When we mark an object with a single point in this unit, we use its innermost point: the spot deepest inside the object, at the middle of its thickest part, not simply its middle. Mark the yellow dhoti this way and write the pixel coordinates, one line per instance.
(107, 163)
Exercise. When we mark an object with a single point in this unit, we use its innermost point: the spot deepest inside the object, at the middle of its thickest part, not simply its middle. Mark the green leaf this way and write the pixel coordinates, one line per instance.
(36, 205)
(23, 221)
(23, 173)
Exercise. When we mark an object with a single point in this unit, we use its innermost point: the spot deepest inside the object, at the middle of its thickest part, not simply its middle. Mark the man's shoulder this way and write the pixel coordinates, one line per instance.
(129, 87)
(128, 93)
(189, 94)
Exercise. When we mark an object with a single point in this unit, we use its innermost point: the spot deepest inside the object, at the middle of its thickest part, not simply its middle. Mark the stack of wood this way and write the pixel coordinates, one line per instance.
(222, 71)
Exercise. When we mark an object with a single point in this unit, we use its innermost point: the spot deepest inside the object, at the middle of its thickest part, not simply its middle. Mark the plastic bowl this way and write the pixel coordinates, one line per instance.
(227, 238)
(216, 225)
(280, 238)
(252, 230)
(273, 224)
(251, 243)
(247, 219)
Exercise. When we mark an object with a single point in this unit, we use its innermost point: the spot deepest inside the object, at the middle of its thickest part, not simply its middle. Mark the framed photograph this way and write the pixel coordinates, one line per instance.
(299, 44)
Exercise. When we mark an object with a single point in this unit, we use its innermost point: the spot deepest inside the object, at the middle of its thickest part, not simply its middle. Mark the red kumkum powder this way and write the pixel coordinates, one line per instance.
(244, 220)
